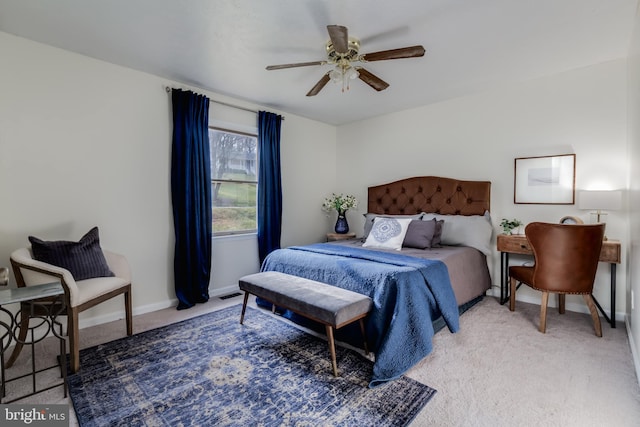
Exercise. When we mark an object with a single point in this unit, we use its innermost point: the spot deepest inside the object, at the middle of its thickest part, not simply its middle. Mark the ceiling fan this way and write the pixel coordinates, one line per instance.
(343, 51)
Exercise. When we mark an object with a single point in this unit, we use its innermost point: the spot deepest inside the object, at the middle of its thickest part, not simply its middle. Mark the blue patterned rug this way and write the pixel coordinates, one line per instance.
(212, 371)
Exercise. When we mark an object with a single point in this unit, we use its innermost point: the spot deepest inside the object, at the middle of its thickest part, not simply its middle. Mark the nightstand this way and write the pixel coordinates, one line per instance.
(332, 237)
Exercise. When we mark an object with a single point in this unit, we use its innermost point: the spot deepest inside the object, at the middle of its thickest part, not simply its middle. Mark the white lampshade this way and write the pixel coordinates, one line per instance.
(601, 200)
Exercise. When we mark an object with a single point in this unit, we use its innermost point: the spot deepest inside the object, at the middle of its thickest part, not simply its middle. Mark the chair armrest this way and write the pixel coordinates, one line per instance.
(22, 259)
(118, 264)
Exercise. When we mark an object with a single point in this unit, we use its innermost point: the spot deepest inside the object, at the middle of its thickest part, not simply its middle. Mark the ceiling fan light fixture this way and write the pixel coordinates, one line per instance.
(336, 75)
(342, 51)
(351, 73)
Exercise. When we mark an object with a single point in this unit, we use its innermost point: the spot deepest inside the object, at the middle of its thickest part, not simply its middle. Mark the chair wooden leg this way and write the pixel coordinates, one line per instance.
(22, 335)
(512, 294)
(128, 312)
(74, 339)
(594, 314)
(561, 299)
(543, 312)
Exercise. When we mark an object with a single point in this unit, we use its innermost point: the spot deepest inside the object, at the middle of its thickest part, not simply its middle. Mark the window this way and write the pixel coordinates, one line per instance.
(234, 181)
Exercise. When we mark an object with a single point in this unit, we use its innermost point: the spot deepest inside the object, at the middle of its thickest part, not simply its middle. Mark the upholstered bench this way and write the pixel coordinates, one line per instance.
(332, 306)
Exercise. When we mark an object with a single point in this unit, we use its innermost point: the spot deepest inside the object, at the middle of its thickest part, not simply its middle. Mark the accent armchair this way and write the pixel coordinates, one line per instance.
(566, 261)
(78, 295)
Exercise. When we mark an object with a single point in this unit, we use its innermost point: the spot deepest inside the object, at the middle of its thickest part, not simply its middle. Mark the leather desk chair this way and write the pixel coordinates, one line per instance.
(566, 261)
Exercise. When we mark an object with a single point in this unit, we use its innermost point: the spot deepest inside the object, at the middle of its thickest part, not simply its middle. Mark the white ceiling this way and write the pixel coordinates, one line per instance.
(224, 45)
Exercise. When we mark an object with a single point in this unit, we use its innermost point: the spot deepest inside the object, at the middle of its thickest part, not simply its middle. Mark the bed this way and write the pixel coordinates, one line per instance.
(416, 291)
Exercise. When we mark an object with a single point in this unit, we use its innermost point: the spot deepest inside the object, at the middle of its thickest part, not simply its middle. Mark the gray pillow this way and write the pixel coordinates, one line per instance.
(420, 234)
(84, 259)
(437, 234)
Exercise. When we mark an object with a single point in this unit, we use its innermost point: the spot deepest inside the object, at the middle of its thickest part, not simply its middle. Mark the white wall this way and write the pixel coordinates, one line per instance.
(478, 137)
(84, 143)
(633, 266)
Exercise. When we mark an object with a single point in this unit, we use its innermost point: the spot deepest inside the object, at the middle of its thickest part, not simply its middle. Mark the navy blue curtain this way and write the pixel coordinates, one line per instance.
(269, 184)
(191, 197)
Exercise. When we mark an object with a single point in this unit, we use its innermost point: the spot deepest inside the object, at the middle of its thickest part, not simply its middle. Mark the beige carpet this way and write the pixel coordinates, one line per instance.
(497, 371)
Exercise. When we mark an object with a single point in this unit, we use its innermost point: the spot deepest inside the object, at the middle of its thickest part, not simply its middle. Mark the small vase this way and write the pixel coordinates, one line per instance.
(342, 227)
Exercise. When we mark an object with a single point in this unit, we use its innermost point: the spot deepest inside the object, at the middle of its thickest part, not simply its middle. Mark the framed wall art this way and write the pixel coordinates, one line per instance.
(548, 180)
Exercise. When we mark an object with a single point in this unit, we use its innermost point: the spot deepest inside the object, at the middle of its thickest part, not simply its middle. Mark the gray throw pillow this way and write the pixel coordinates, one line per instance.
(437, 234)
(84, 259)
(420, 234)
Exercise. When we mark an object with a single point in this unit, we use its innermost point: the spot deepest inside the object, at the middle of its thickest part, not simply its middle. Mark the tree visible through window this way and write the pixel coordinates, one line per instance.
(234, 181)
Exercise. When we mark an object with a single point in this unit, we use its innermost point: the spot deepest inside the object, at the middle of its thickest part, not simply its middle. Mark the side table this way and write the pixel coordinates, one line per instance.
(332, 237)
(44, 324)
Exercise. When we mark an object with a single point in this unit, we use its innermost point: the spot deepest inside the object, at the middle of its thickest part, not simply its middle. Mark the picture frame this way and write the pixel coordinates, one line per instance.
(548, 180)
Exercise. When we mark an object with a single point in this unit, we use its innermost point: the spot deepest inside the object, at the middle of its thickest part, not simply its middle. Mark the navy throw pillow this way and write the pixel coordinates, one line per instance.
(84, 259)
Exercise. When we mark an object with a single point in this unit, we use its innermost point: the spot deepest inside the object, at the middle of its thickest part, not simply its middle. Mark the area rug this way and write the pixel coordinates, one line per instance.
(212, 371)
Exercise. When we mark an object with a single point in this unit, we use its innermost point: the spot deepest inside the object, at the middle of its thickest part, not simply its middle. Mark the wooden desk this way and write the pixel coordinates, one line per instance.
(518, 244)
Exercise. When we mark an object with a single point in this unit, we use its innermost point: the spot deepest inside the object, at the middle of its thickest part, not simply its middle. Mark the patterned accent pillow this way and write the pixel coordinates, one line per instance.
(84, 259)
(387, 233)
(370, 217)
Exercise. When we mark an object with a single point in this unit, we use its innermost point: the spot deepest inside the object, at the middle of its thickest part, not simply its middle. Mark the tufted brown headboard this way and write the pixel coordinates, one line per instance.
(433, 194)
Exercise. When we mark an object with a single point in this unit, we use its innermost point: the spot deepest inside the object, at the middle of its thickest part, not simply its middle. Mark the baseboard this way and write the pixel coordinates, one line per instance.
(634, 352)
(224, 291)
(111, 317)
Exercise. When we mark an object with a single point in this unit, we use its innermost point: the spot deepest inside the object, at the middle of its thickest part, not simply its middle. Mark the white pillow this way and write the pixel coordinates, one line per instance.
(387, 233)
(472, 230)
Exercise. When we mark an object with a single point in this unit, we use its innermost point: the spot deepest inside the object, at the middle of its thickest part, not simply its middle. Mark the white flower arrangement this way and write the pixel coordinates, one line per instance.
(340, 203)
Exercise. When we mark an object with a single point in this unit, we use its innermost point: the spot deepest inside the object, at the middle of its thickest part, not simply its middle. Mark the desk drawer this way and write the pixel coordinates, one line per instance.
(514, 244)
(610, 251)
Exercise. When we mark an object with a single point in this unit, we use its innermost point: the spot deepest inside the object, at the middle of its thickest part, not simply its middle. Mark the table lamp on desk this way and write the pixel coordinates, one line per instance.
(599, 201)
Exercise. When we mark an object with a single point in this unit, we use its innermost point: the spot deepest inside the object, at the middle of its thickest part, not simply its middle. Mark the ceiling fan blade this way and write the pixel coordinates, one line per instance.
(318, 87)
(374, 81)
(403, 52)
(339, 36)
(298, 64)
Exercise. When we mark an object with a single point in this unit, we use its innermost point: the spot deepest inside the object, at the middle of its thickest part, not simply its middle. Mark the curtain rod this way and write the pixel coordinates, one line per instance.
(226, 104)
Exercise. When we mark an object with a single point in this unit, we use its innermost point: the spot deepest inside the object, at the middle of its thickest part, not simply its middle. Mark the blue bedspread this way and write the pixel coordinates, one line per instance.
(407, 293)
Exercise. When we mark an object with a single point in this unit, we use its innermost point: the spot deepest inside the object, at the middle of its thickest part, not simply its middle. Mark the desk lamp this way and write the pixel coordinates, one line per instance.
(599, 201)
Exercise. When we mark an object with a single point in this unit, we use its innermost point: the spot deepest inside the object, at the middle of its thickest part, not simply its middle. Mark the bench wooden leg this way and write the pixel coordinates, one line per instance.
(244, 306)
(332, 349)
(364, 337)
